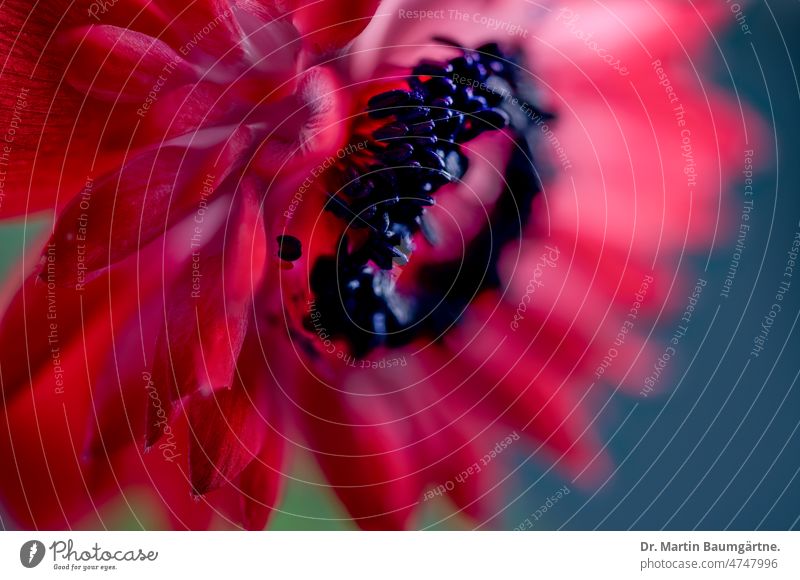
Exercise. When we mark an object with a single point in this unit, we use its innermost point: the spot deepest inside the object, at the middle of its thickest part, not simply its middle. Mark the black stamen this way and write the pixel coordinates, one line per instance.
(289, 248)
(382, 105)
(416, 151)
(390, 131)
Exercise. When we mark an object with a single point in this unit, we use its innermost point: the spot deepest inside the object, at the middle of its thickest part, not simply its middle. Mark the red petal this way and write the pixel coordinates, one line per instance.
(27, 340)
(120, 392)
(261, 482)
(327, 25)
(129, 208)
(41, 439)
(193, 107)
(307, 127)
(52, 142)
(531, 396)
(450, 438)
(50, 317)
(203, 32)
(225, 434)
(367, 462)
(164, 471)
(117, 64)
(469, 441)
(208, 308)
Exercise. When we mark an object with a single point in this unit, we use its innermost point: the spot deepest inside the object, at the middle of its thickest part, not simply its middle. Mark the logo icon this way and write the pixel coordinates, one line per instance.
(31, 553)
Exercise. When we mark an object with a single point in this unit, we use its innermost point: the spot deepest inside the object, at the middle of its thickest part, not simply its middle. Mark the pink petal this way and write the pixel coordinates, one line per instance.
(629, 35)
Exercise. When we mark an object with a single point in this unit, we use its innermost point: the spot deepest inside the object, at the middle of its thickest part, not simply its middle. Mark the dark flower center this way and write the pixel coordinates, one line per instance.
(411, 155)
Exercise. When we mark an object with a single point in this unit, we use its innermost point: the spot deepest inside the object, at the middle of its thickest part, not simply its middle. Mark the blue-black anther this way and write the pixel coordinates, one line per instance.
(444, 102)
(475, 104)
(422, 129)
(440, 87)
(495, 118)
(383, 104)
(414, 152)
(397, 153)
(413, 114)
(432, 69)
(390, 131)
(430, 159)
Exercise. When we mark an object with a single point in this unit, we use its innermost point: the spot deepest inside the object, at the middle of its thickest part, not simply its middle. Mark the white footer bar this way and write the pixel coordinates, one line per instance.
(401, 556)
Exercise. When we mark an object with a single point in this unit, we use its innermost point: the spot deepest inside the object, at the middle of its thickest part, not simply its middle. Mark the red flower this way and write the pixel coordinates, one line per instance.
(284, 226)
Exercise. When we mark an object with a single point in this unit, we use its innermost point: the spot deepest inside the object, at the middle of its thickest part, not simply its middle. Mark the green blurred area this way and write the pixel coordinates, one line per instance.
(305, 506)
(312, 507)
(13, 238)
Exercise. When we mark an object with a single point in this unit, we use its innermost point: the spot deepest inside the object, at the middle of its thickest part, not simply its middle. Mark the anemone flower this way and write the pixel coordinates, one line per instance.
(410, 239)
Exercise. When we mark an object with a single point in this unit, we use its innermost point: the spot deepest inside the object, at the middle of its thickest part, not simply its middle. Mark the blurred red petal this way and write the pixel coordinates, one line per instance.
(42, 438)
(545, 404)
(363, 459)
(261, 483)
